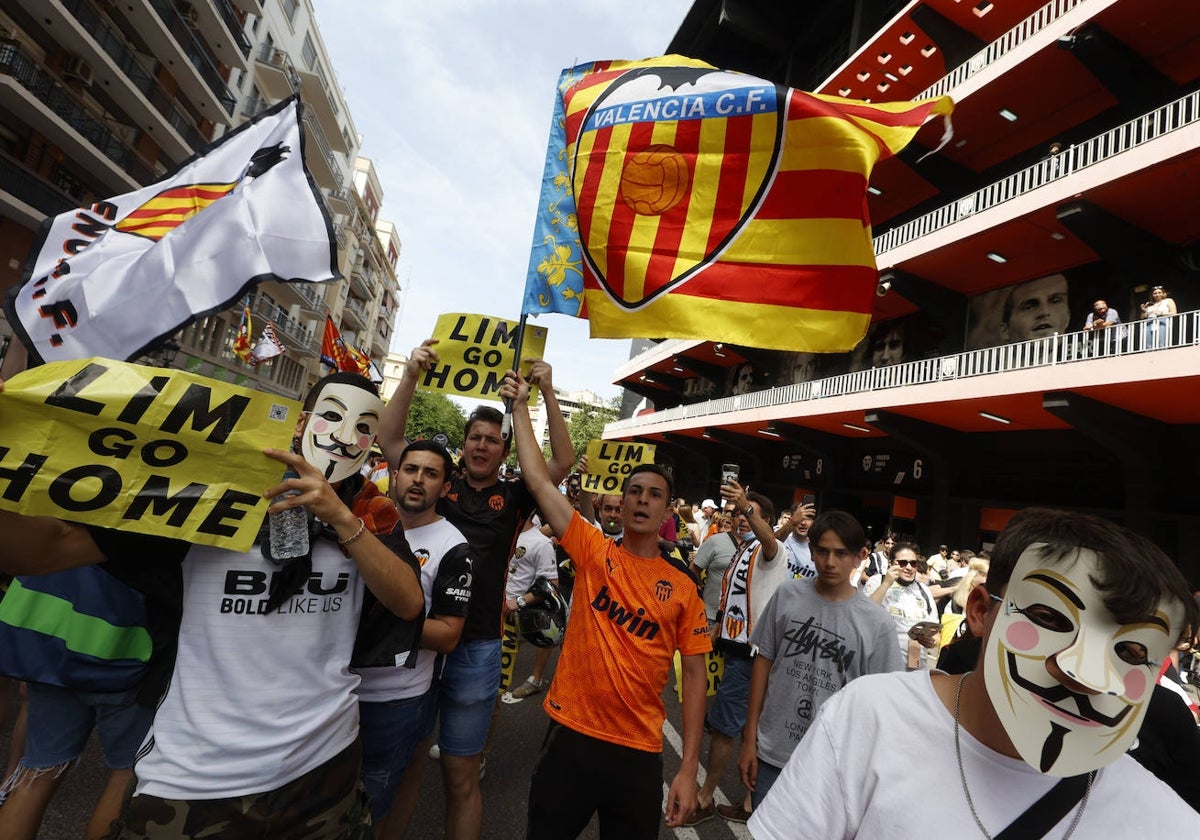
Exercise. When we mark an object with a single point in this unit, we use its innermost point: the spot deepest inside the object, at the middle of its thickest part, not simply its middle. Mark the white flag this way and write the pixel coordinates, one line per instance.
(115, 278)
(268, 346)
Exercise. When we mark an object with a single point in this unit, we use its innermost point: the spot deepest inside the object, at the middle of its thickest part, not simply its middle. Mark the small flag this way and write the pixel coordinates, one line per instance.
(268, 346)
(376, 374)
(241, 211)
(683, 201)
(333, 349)
(241, 344)
(356, 361)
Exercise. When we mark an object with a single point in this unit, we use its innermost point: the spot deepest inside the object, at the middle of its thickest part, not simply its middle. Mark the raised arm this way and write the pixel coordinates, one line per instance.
(734, 492)
(391, 580)
(562, 451)
(556, 510)
(394, 421)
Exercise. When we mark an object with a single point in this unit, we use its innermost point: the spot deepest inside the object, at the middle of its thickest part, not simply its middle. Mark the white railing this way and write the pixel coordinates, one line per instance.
(1020, 33)
(1170, 117)
(1143, 336)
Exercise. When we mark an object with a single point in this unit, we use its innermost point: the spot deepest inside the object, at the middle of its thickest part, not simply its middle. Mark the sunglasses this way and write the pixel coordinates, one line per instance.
(916, 564)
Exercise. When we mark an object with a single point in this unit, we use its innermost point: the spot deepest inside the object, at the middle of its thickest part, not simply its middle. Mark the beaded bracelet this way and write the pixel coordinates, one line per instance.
(362, 527)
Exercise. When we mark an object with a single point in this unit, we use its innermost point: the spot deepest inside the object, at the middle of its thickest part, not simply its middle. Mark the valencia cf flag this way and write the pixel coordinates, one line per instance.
(683, 201)
(241, 211)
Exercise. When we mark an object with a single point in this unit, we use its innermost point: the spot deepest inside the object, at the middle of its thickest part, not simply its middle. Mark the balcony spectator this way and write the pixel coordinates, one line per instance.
(1157, 312)
(1106, 322)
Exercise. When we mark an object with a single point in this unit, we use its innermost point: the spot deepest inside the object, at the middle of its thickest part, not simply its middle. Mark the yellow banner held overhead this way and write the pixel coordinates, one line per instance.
(475, 351)
(610, 461)
(142, 449)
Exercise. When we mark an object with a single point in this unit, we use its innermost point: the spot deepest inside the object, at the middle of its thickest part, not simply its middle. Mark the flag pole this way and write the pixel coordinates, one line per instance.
(506, 426)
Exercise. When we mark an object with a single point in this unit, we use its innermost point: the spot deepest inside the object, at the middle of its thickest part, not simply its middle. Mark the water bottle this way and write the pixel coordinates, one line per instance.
(289, 528)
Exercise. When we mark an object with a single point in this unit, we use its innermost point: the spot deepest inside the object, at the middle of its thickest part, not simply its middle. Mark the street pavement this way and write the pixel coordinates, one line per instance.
(516, 740)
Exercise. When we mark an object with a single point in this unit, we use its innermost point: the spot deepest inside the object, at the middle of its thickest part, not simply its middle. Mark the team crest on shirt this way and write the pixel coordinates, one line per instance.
(496, 502)
(422, 555)
(519, 553)
(735, 622)
(663, 590)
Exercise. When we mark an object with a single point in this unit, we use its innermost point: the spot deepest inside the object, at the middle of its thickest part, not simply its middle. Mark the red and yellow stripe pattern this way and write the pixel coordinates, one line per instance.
(171, 208)
(772, 241)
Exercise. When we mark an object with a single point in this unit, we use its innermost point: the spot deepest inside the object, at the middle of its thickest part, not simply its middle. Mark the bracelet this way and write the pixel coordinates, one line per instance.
(362, 527)
(749, 511)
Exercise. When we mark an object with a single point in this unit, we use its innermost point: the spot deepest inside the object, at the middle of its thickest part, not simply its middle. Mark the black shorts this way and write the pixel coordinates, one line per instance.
(578, 776)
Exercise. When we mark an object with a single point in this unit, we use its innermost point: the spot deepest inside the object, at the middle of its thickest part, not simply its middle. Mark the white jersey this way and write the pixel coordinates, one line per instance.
(532, 558)
(446, 579)
(255, 700)
(851, 776)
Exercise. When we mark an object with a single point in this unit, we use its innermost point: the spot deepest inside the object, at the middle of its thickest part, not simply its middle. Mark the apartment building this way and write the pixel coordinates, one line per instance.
(1072, 177)
(98, 98)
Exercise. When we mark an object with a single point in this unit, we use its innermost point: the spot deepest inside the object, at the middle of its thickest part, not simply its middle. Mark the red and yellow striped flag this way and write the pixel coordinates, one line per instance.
(714, 205)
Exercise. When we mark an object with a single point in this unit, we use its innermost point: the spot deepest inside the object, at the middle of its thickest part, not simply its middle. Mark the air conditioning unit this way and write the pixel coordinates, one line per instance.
(190, 14)
(78, 69)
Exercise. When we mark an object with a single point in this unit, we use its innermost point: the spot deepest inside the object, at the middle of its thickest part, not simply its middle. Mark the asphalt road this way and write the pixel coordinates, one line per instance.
(510, 760)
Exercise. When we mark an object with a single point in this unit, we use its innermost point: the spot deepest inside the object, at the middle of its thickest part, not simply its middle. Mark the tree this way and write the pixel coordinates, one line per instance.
(432, 413)
(587, 423)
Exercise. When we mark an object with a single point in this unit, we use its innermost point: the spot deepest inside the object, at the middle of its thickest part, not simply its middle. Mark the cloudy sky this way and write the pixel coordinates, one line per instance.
(453, 101)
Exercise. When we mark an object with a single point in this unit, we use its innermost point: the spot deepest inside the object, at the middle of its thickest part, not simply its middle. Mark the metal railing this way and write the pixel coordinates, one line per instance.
(54, 95)
(1144, 336)
(315, 133)
(225, 9)
(198, 55)
(39, 194)
(1170, 117)
(1020, 33)
(126, 60)
(292, 332)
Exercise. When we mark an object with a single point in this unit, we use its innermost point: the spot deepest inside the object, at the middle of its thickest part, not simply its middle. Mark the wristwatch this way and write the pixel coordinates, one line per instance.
(749, 511)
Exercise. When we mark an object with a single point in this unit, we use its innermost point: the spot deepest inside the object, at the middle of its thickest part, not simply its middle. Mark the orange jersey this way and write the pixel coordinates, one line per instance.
(629, 615)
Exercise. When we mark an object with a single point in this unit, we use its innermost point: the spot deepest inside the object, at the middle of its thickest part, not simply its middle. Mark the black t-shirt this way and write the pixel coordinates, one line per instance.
(490, 519)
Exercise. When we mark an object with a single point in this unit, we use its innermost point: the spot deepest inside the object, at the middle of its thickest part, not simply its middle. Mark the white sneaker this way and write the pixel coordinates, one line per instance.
(528, 688)
(435, 752)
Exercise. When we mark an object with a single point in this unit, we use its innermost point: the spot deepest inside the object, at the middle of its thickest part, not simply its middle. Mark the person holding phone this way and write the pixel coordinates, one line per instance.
(910, 604)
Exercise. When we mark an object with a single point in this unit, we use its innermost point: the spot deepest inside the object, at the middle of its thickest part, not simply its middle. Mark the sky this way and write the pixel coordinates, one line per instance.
(453, 102)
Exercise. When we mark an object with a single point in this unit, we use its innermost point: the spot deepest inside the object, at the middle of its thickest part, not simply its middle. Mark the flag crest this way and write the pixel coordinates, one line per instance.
(683, 201)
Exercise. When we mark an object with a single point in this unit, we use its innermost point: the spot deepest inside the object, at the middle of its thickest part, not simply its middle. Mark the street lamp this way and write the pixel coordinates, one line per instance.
(168, 352)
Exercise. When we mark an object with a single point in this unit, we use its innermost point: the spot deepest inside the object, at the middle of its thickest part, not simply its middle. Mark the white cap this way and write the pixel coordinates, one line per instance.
(708, 503)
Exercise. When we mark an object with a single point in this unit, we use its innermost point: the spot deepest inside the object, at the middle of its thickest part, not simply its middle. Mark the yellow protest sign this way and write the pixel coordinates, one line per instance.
(141, 449)
(474, 353)
(609, 461)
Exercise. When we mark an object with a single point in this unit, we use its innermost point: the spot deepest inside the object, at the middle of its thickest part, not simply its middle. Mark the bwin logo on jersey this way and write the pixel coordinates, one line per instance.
(634, 622)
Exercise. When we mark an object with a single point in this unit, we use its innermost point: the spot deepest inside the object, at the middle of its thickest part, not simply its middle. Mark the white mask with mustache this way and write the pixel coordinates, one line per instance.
(340, 430)
(1051, 609)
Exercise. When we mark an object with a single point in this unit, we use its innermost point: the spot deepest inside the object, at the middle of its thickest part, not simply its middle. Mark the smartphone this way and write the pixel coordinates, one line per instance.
(808, 499)
(729, 472)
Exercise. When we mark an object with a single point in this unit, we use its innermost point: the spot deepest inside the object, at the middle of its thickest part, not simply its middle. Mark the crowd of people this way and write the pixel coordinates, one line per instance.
(244, 694)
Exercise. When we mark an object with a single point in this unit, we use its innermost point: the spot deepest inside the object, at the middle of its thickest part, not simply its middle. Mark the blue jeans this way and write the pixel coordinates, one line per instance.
(768, 775)
(728, 712)
(61, 720)
(390, 731)
(467, 692)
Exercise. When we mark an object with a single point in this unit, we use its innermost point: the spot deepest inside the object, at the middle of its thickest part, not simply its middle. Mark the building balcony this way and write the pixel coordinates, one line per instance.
(42, 100)
(294, 335)
(218, 23)
(1006, 382)
(319, 157)
(1135, 149)
(99, 42)
(29, 199)
(185, 56)
(278, 77)
(356, 312)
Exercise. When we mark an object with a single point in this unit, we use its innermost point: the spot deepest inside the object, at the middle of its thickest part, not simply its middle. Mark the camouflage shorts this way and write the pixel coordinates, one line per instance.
(326, 803)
